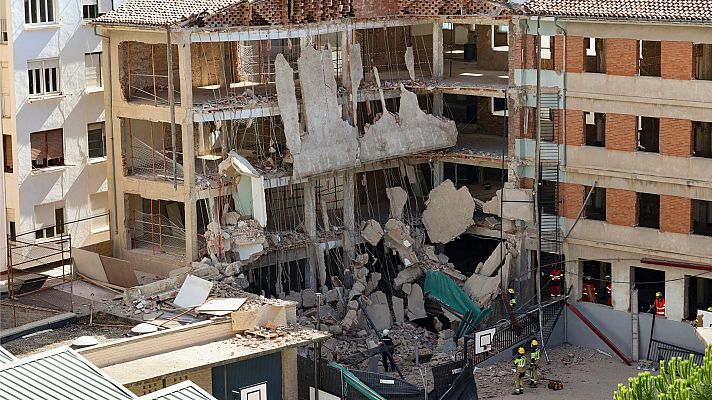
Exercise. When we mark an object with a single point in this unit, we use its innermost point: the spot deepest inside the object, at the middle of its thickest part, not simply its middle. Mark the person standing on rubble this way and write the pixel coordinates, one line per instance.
(534, 364)
(520, 369)
(388, 344)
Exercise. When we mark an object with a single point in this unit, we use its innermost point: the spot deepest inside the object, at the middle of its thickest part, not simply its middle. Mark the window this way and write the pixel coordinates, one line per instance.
(595, 56)
(500, 37)
(448, 26)
(499, 106)
(99, 203)
(43, 77)
(47, 148)
(547, 60)
(595, 124)
(7, 152)
(49, 220)
(90, 9)
(649, 210)
(702, 217)
(96, 139)
(648, 58)
(595, 279)
(92, 70)
(595, 207)
(39, 11)
(702, 138)
(648, 134)
(703, 61)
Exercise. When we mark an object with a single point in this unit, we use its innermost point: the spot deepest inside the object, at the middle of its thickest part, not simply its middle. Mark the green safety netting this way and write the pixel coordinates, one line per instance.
(351, 380)
(441, 287)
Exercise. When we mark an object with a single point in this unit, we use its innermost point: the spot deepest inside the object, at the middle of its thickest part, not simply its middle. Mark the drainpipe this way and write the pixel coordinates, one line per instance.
(537, 179)
(563, 90)
(110, 118)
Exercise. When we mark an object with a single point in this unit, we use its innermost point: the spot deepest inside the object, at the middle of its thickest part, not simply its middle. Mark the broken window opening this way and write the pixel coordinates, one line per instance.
(595, 124)
(143, 69)
(47, 148)
(703, 61)
(148, 149)
(702, 217)
(596, 276)
(547, 52)
(648, 134)
(702, 139)
(7, 153)
(467, 251)
(155, 225)
(500, 37)
(499, 107)
(648, 282)
(285, 207)
(595, 207)
(649, 210)
(699, 296)
(649, 56)
(595, 55)
(386, 49)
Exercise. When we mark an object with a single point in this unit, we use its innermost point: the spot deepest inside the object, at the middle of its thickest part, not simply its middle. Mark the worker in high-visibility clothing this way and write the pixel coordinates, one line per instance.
(609, 291)
(589, 290)
(659, 305)
(520, 369)
(555, 289)
(512, 298)
(534, 364)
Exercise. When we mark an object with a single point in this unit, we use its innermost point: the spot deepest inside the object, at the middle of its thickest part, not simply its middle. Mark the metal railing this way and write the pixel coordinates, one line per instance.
(665, 351)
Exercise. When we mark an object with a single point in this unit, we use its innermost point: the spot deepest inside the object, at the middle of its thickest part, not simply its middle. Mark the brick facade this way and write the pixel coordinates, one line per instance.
(675, 214)
(574, 53)
(375, 8)
(572, 196)
(676, 60)
(622, 57)
(574, 128)
(676, 137)
(621, 207)
(621, 132)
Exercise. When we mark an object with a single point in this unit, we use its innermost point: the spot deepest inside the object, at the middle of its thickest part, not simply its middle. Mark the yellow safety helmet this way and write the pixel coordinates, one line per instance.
(659, 294)
(510, 291)
(520, 350)
(535, 343)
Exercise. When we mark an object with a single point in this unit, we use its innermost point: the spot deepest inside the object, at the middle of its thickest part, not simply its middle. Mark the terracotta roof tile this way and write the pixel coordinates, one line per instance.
(161, 12)
(656, 10)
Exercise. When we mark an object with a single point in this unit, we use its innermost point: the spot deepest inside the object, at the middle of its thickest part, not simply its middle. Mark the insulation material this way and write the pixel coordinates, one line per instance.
(449, 212)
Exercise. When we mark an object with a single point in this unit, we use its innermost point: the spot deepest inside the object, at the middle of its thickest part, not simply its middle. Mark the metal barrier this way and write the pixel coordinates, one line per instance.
(661, 351)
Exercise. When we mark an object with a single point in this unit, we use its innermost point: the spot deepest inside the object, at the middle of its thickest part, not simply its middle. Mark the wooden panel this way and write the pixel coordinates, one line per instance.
(119, 272)
(89, 264)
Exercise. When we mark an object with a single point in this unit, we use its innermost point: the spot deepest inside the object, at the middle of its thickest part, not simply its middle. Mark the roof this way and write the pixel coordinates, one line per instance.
(58, 374)
(653, 10)
(6, 356)
(185, 390)
(161, 12)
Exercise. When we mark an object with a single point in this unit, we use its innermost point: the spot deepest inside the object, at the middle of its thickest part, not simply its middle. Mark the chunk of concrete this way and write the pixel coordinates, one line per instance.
(380, 315)
(308, 298)
(398, 238)
(407, 287)
(378, 298)
(448, 212)
(410, 62)
(372, 232)
(416, 303)
(398, 197)
(430, 253)
(482, 289)
(518, 204)
(398, 309)
(372, 284)
(491, 265)
(407, 275)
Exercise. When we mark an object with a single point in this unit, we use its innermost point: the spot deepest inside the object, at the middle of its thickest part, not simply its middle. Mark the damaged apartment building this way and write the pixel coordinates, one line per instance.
(312, 146)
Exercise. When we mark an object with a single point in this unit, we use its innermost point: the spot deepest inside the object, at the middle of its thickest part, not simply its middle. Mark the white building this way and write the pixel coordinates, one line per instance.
(52, 121)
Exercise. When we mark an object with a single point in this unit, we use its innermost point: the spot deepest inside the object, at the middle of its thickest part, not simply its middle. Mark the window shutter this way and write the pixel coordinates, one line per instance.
(55, 147)
(38, 142)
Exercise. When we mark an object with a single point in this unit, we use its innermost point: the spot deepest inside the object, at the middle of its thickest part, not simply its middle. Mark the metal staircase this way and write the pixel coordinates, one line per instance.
(550, 236)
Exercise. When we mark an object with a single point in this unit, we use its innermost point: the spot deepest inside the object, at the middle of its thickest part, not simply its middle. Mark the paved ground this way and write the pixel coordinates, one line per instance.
(586, 374)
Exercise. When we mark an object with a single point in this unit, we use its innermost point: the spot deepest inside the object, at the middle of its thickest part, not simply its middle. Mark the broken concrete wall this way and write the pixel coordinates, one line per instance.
(519, 204)
(449, 212)
(398, 197)
(410, 131)
(329, 143)
(398, 238)
(481, 286)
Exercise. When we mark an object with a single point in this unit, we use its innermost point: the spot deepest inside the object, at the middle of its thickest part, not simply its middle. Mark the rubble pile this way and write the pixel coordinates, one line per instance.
(243, 237)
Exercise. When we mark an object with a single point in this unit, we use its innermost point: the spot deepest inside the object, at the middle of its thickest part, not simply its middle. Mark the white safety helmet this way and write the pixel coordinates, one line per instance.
(386, 332)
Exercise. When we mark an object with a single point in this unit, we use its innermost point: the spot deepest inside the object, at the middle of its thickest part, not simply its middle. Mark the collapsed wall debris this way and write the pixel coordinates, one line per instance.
(398, 239)
(449, 212)
(519, 204)
(398, 197)
(482, 286)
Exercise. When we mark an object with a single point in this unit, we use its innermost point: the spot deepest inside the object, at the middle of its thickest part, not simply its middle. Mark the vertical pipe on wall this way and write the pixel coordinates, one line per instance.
(172, 104)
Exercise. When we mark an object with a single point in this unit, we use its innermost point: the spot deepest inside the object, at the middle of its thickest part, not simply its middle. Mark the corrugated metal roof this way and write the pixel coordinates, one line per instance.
(58, 374)
(185, 390)
(6, 356)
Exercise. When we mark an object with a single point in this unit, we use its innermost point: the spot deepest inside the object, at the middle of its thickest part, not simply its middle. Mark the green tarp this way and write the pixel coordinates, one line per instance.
(441, 287)
(351, 380)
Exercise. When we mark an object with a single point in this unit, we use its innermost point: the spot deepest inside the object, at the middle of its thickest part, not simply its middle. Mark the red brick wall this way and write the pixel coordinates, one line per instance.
(675, 214)
(676, 60)
(528, 43)
(574, 53)
(572, 196)
(622, 57)
(375, 8)
(574, 127)
(621, 132)
(676, 137)
(621, 207)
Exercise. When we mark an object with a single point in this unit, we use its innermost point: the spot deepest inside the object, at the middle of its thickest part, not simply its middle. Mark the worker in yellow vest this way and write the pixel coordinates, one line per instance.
(534, 364)
(520, 369)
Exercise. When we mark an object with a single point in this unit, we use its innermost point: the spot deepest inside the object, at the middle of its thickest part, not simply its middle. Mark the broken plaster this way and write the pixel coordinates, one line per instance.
(449, 212)
(398, 197)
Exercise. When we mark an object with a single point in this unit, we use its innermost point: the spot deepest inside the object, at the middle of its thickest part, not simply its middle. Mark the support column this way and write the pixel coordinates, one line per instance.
(316, 254)
(438, 172)
(438, 67)
(185, 75)
(349, 218)
(675, 295)
(620, 293)
(290, 383)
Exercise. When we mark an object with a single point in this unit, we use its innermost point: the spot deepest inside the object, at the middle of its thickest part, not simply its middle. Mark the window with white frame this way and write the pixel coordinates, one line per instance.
(92, 70)
(90, 9)
(96, 140)
(500, 37)
(39, 11)
(43, 77)
(545, 47)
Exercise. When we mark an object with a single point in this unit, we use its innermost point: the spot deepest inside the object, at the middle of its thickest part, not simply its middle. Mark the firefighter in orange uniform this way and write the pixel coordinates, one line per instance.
(555, 288)
(609, 290)
(589, 290)
(659, 305)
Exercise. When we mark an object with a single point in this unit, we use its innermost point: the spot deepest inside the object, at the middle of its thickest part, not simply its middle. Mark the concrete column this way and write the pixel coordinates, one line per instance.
(675, 295)
(290, 384)
(185, 75)
(620, 294)
(316, 255)
(573, 272)
(438, 172)
(349, 218)
(438, 104)
(438, 56)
